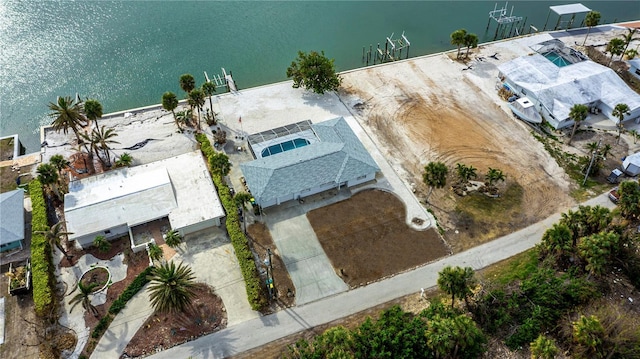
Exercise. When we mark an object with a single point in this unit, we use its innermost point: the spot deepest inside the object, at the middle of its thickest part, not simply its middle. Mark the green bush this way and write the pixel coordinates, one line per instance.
(255, 290)
(42, 273)
(102, 326)
(131, 290)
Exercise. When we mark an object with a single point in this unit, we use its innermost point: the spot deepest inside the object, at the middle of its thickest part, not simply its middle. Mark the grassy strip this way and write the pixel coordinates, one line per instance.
(255, 291)
(42, 274)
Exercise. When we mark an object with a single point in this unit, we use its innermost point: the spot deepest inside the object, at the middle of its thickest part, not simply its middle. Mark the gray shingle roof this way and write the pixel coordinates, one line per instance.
(11, 216)
(338, 157)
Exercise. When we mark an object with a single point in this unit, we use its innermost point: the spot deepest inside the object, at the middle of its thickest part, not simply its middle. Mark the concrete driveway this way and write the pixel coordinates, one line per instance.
(308, 265)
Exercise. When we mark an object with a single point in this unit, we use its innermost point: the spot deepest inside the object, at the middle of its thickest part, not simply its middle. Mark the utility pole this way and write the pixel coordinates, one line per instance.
(593, 156)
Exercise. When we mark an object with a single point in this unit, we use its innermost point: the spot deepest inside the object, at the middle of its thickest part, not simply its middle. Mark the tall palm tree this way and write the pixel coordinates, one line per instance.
(103, 138)
(54, 236)
(470, 41)
(67, 115)
(60, 163)
(578, 113)
(457, 39)
(209, 88)
(615, 47)
(435, 176)
(197, 100)
(628, 39)
(187, 83)
(84, 299)
(621, 110)
(170, 103)
(48, 176)
(93, 110)
(171, 288)
(592, 19)
(457, 281)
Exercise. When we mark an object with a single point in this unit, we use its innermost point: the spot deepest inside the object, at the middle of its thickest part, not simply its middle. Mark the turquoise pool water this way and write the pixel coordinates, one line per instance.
(284, 146)
(556, 59)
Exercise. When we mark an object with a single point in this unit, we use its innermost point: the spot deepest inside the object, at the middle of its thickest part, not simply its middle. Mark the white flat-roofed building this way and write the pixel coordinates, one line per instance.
(110, 204)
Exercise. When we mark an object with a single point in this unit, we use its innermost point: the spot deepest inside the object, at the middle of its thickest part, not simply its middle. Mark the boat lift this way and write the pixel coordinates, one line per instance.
(503, 20)
(226, 80)
(392, 50)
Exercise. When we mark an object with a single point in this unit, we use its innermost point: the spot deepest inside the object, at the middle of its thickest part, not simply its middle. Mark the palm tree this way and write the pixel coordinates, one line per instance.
(209, 88)
(185, 116)
(124, 160)
(435, 176)
(171, 288)
(494, 175)
(102, 244)
(83, 297)
(48, 176)
(155, 252)
(457, 281)
(620, 111)
(93, 110)
(615, 47)
(219, 163)
(67, 115)
(60, 163)
(557, 239)
(173, 238)
(634, 133)
(54, 236)
(187, 83)
(197, 100)
(592, 19)
(103, 138)
(170, 103)
(578, 113)
(458, 39)
(628, 39)
(465, 173)
(470, 41)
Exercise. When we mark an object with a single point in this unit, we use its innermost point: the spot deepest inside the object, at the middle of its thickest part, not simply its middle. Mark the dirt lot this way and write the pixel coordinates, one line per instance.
(366, 238)
(430, 110)
(18, 336)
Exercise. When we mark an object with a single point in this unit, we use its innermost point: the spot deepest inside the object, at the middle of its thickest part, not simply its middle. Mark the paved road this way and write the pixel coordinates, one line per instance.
(254, 333)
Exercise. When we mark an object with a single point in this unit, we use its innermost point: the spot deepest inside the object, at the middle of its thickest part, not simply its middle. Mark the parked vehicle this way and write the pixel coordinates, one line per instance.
(614, 196)
(614, 176)
(20, 277)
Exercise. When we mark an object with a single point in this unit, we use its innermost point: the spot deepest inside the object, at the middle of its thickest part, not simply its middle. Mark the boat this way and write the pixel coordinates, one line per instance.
(525, 110)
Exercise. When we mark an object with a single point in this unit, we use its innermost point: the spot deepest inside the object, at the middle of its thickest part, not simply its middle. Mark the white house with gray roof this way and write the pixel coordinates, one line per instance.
(303, 159)
(11, 220)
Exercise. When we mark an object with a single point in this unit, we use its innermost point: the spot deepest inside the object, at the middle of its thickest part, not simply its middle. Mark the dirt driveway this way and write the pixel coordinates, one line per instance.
(428, 109)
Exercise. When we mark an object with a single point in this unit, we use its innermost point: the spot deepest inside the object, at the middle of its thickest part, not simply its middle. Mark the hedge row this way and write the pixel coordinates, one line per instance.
(255, 290)
(42, 273)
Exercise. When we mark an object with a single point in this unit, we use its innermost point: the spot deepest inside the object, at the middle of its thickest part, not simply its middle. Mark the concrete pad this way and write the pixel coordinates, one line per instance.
(308, 265)
(213, 260)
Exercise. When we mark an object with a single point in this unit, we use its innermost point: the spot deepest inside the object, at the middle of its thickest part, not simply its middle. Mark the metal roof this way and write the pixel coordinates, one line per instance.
(338, 157)
(11, 216)
(569, 9)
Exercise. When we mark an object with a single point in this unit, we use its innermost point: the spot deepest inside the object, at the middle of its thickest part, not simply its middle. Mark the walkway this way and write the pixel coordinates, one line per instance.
(257, 332)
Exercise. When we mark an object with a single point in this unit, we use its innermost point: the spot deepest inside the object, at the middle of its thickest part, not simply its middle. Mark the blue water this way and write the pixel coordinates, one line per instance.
(127, 53)
(284, 146)
(556, 59)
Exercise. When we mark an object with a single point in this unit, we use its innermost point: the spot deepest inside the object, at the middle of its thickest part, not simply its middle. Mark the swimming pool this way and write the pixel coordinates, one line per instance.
(284, 146)
(556, 59)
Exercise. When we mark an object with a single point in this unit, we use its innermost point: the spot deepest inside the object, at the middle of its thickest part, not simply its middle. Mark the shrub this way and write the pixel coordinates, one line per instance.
(42, 275)
(131, 290)
(102, 326)
(102, 244)
(255, 290)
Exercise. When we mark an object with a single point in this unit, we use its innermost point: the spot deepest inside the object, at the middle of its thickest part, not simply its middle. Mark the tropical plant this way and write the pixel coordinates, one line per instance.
(494, 175)
(102, 244)
(155, 252)
(587, 220)
(209, 88)
(598, 250)
(465, 173)
(629, 202)
(103, 138)
(124, 160)
(631, 54)
(173, 238)
(543, 348)
(196, 99)
(314, 71)
(171, 288)
(621, 110)
(458, 39)
(435, 176)
(628, 39)
(54, 236)
(634, 133)
(592, 19)
(67, 115)
(470, 41)
(84, 298)
(241, 198)
(93, 110)
(48, 176)
(557, 240)
(185, 117)
(588, 332)
(578, 113)
(615, 47)
(170, 103)
(219, 163)
(458, 282)
(60, 163)
(455, 336)
(187, 83)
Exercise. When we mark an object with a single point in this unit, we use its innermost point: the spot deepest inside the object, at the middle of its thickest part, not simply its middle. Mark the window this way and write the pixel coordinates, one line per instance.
(108, 231)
